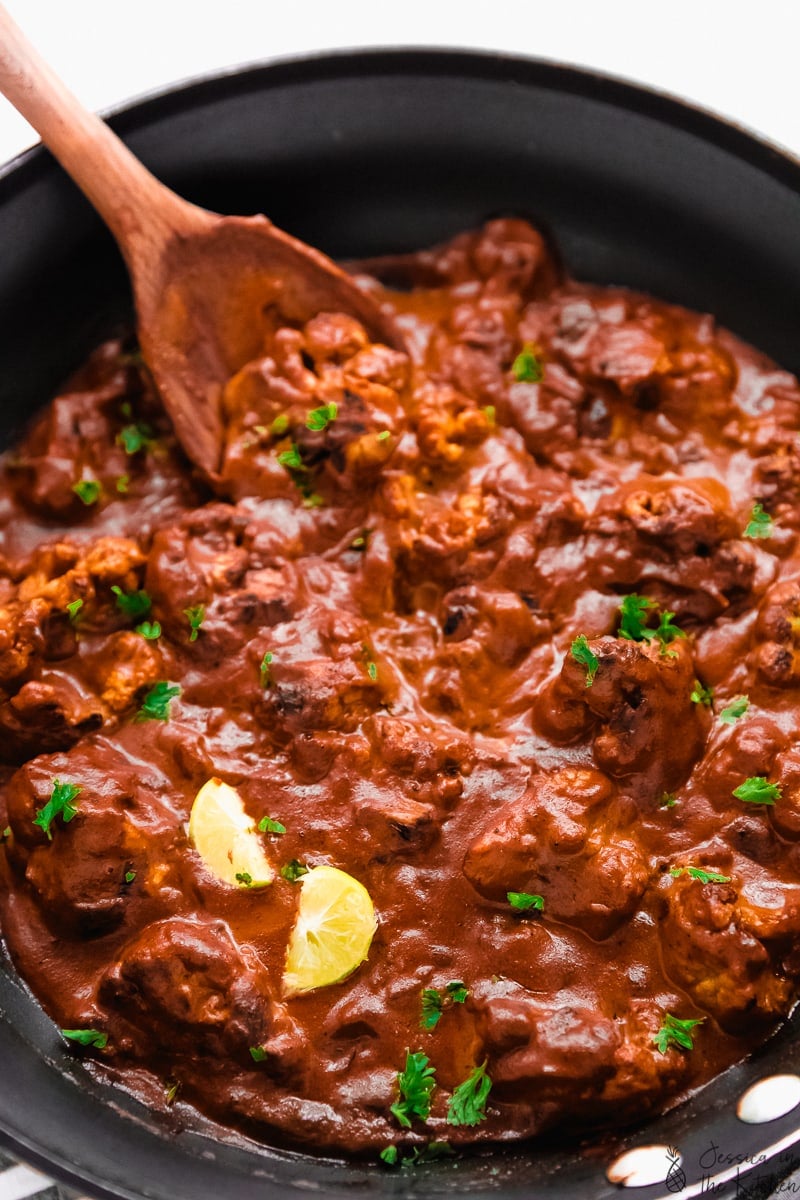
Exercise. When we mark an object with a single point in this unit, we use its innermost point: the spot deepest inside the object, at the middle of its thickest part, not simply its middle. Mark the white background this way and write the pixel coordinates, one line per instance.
(738, 57)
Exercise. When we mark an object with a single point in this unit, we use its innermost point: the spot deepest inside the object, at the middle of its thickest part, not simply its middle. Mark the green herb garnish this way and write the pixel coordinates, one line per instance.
(60, 804)
(701, 694)
(264, 670)
(383, 435)
(293, 870)
(760, 524)
(433, 1002)
(415, 1084)
(369, 663)
(244, 878)
(757, 790)
(468, 1102)
(699, 873)
(130, 876)
(267, 825)
(122, 484)
(195, 614)
(490, 413)
(134, 438)
(279, 425)
(150, 630)
(675, 1032)
(86, 1037)
(73, 608)
(291, 458)
(581, 651)
(634, 614)
(87, 491)
(320, 418)
(389, 1155)
(132, 604)
(736, 709)
(155, 706)
(258, 1053)
(668, 800)
(525, 901)
(526, 367)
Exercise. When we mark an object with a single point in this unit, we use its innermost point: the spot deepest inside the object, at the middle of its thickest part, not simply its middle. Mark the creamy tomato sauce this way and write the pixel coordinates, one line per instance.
(509, 634)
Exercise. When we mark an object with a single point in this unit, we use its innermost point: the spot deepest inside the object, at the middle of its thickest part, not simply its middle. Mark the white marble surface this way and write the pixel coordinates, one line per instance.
(737, 57)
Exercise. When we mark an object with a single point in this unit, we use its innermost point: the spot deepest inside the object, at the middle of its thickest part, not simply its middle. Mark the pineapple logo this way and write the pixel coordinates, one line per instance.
(676, 1179)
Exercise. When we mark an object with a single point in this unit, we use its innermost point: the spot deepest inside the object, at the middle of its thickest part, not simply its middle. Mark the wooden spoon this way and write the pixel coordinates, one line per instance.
(201, 282)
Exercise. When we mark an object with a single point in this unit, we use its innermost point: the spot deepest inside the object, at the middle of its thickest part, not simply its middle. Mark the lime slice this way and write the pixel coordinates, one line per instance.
(333, 931)
(226, 838)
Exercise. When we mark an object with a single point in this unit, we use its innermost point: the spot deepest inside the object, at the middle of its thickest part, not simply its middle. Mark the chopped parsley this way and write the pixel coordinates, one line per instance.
(634, 615)
(702, 694)
(468, 1102)
(433, 1002)
(6, 834)
(293, 870)
(525, 901)
(122, 484)
(526, 367)
(258, 1054)
(757, 790)
(87, 491)
(130, 876)
(132, 604)
(150, 630)
(736, 709)
(172, 1092)
(73, 608)
(675, 1032)
(360, 542)
(668, 800)
(320, 418)
(490, 413)
(279, 425)
(291, 458)
(60, 804)
(431, 1152)
(264, 670)
(244, 878)
(369, 663)
(195, 614)
(389, 1155)
(699, 873)
(86, 1037)
(267, 825)
(581, 651)
(383, 435)
(760, 524)
(415, 1085)
(134, 438)
(155, 706)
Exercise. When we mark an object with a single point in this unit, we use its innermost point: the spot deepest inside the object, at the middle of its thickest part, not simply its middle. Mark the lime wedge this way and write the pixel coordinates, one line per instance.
(226, 838)
(333, 932)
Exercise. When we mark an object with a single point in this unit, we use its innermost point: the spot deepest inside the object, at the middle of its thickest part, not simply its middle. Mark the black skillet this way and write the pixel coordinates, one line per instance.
(364, 153)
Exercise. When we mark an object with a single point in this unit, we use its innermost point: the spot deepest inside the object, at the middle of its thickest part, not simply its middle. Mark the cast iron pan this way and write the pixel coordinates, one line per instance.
(364, 153)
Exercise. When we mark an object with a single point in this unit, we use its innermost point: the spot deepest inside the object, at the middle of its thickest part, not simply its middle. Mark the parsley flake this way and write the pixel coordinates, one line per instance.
(155, 706)
(291, 458)
(87, 491)
(122, 484)
(134, 438)
(490, 412)
(130, 876)
(150, 630)
(244, 878)
(267, 825)
(415, 1085)
(457, 991)
(320, 418)
(431, 1008)
(526, 367)
(468, 1102)
(293, 870)
(634, 614)
(279, 425)
(581, 651)
(258, 1054)
(73, 608)
(369, 663)
(757, 790)
(384, 435)
(86, 1037)
(264, 670)
(668, 800)
(675, 1032)
(389, 1155)
(701, 694)
(132, 604)
(60, 804)
(760, 524)
(700, 874)
(525, 901)
(736, 709)
(195, 614)
(6, 834)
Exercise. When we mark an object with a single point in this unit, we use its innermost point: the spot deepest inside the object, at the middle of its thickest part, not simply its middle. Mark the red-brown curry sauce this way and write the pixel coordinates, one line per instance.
(462, 553)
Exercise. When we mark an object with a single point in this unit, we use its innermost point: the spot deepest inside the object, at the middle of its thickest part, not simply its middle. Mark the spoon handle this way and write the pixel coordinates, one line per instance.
(130, 200)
